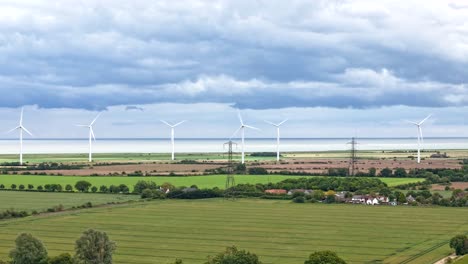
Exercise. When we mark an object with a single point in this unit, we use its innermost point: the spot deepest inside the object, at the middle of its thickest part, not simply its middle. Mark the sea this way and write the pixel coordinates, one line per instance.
(216, 145)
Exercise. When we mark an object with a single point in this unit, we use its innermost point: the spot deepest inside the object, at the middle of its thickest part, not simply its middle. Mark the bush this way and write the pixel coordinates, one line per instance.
(103, 189)
(40, 188)
(13, 186)
(147, 193)
(21, 187)
(94, 189)
(64, 258)
(30, 186)
(299, 199)
(324, 257)
(258, 171)
(2, 186)
(69, 188)
(232, 255)
(143, 185)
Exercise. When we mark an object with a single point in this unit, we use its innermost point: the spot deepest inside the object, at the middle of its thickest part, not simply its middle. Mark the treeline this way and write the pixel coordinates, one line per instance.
(92, 247)
(16, 166)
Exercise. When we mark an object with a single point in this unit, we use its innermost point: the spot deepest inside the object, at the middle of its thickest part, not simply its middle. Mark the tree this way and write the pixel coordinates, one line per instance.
(94, 189)
(372, 172)
(13, 186)
(400, 173)
(324, 257)
(460, 244)
(69, 188)
(21, 187)
(40, 188)
(143, 185)
(30, 186)
(94, 247)
(28, 250)
(386, 172)
(103, 189)
(64, 258)
(234, 256)
(82, 186)
(146, 193)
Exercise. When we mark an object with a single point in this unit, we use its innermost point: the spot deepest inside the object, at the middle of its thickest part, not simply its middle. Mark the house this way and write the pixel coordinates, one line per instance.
(341, 197)
(383, 199)
(358, 199)
(410, 199)
(306, 192)
(372, 201)
(276, 191)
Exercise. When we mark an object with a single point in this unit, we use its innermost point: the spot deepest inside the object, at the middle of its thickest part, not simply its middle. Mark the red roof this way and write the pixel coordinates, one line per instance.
(276, 191)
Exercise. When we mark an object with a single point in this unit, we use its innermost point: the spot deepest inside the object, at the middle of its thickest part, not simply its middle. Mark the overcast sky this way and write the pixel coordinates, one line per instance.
(334, 68)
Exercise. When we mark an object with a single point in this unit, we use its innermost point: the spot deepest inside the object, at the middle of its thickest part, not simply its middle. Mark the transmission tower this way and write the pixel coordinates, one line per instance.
(230, 182)
(353, 158)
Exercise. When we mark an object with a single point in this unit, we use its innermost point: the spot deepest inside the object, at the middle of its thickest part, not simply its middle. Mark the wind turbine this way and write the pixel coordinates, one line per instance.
(172, 126)
(277, 137)
(242, 129)
(21, 128)
(420, 135)
(91, 136)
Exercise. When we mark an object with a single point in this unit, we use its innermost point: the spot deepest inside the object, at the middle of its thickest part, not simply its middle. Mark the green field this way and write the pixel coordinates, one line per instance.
(201, 181)
(278, 231)
(463, 260)
(40, 201)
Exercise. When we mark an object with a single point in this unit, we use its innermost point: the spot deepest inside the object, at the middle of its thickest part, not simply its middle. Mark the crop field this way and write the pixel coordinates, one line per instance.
(277, 231)
(201, 181)
(40, 201)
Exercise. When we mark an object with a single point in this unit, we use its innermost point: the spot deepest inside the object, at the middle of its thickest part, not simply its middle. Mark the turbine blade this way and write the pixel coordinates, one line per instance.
(240, 117)
(22, 127)
(166, 123)
(11, 130)
(92, 123)
(271, 123)
(411, 122)
(92, 133)
(180, 123)
(21, 117)
(251, 127)
(235, 133)
(424, 120)
(284, 121)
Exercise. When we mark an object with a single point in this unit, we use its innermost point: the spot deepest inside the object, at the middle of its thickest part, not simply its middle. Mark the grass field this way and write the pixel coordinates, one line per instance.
(463, 260)
(39, 201)
(278, 231)
(201, 181)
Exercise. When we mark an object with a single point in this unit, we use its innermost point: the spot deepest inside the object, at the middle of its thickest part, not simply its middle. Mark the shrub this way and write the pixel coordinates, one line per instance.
(324, 257)
(103, 189)
(69, 188)
(82, 186)
(30, 186)
(13, 186)
(233, 255)
(299, 199)
(94, 189)
(21, 187)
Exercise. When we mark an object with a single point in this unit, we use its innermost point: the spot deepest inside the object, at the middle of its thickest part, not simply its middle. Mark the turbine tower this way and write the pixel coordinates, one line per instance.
(277, 137)
(21, 128)
(242, 130)
(91, 137)
(420, 135)
(172, 134)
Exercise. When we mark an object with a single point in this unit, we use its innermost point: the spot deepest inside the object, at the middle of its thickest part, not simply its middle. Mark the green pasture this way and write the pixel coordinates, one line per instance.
(40, 201)
(462, 260)
(277, 231)
(201, 181)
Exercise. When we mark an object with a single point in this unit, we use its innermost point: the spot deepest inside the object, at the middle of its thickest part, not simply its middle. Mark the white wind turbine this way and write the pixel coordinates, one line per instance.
(91, 137)
(172, 126)
(21, 128)
(242, 129)
(277, 137)
(420, 135)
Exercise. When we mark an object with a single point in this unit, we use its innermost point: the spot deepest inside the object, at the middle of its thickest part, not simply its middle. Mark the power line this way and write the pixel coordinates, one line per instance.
(353, 158)
(230, 181)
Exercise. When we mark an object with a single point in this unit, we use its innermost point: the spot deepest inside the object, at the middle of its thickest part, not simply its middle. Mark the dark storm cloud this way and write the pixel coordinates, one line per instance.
(257, 55)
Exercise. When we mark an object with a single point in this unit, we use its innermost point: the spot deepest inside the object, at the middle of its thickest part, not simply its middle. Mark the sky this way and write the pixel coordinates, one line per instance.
(332, 68)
